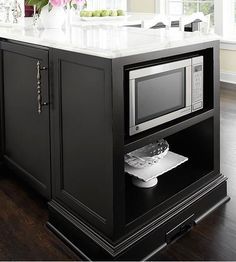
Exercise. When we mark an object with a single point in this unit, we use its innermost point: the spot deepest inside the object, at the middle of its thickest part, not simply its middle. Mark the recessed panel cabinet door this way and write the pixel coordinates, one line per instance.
(27, 143)
(82, 130)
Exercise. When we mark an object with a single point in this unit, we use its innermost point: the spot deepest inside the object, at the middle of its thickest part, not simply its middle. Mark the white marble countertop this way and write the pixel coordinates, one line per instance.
(108, 40)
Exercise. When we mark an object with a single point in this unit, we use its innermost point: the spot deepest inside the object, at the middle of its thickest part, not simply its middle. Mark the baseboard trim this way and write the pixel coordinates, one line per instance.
(82, 255)
(68, 242)
(196, 221)
(115, 249)
(228, 45)
(203, 216)
(147, 258)
(27, 177)
(228, 79)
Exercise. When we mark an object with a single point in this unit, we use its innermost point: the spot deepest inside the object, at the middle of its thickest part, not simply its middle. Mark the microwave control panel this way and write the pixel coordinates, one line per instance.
(197, 86)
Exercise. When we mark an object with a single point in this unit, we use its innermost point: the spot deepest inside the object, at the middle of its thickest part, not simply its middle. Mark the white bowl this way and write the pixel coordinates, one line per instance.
(148, 155)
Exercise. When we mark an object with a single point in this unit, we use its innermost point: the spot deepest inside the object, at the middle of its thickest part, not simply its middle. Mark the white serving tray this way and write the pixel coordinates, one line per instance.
(169, 162)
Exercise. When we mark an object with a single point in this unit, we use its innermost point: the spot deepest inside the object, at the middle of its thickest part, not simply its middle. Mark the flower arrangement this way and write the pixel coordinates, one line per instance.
(57, 3)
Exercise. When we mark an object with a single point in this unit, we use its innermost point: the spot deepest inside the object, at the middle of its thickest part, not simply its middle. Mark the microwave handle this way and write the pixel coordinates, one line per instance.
(188, 86)
(132, 102)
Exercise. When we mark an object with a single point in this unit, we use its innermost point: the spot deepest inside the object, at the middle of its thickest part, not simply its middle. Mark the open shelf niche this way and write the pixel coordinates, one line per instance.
(196, 143)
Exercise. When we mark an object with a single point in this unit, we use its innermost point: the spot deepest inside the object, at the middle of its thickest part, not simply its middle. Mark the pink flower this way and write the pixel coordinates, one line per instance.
(57, 3)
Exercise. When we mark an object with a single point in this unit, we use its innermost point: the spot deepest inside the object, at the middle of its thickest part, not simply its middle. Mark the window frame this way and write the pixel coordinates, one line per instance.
(222, 9)
(196, 1)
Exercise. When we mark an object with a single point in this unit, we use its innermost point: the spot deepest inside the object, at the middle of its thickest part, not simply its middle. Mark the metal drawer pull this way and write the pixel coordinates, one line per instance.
(39, 88)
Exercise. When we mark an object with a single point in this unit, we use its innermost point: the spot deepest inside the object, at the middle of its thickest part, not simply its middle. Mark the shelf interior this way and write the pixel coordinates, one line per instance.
(196, 143)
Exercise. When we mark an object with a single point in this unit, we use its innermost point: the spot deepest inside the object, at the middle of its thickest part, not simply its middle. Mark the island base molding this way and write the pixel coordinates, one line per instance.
(146, 242)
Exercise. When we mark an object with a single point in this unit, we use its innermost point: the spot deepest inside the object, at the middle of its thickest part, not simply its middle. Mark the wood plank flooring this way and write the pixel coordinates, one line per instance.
(23, 234)
(23, 214)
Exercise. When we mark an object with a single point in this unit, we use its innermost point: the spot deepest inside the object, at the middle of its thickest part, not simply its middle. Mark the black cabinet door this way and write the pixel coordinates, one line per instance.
(26, 132)
(1, 111)
(82, 135)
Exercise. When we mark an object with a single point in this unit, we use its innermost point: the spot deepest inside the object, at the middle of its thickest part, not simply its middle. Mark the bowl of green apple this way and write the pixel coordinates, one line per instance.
(104, 14)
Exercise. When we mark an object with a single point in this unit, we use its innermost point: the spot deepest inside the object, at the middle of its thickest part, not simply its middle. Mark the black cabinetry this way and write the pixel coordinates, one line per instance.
(76, 146)
(26, 132)
(122, 221)
(82, 121)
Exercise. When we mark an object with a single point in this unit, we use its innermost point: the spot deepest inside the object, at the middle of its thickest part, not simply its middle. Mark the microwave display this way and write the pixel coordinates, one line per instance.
(161, 93)
(153, 102)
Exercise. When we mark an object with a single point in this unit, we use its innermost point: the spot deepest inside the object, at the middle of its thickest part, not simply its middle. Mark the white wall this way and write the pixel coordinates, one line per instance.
(146, 6)
(228, 60)
(228, 66)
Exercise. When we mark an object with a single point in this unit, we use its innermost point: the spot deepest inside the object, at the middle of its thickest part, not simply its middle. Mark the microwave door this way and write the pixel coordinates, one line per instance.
(159, 96)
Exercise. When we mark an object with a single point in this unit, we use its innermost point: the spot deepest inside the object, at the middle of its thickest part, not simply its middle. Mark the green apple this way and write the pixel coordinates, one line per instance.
(105, 13)
(120, 12)
(89, 13)
(82, 13)
(113, 13)
(97, 13)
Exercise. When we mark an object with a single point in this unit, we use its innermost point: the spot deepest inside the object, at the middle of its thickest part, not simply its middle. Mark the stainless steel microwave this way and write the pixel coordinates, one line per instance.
(161, 93)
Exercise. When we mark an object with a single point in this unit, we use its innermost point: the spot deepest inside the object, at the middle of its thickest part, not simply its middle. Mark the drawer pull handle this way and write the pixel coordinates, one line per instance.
(39, 88)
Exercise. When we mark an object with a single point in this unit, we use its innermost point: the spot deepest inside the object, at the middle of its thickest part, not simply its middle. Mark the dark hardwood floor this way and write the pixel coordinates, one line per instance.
(23, 214)
(23, 234)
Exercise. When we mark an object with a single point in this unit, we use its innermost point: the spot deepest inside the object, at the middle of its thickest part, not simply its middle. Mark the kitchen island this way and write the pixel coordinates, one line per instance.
(64, 115)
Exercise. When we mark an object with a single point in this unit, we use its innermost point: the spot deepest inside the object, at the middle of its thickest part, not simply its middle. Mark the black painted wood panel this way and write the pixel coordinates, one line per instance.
(1, 108)
(83, 137)
(83, 134)
(26, 133)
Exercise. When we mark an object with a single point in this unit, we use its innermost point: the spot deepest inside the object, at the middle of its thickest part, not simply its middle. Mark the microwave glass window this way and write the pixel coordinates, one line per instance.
(159, 94)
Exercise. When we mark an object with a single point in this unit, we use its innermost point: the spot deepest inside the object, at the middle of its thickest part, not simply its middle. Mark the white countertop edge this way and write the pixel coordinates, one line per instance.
(107, 41)
(111, 54)
(30, 40)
